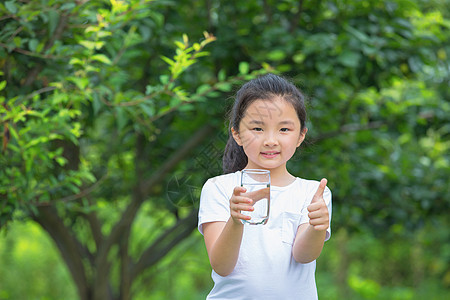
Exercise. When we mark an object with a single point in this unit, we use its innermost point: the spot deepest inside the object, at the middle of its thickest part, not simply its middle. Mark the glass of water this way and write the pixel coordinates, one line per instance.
(257, 183)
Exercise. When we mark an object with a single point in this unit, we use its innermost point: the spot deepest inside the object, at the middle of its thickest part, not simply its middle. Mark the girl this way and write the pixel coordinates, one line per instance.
(276, 260)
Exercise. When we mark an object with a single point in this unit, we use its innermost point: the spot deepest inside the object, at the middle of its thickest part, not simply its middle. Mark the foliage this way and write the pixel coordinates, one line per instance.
(27, 255)
(362, 266)
(377, 77)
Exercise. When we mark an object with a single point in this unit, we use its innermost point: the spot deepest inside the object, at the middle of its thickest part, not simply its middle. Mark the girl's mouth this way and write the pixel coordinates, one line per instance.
(270, 154)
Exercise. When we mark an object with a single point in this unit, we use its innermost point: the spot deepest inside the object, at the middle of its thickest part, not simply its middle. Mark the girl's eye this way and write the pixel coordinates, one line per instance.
(257, 129)
(284, 129)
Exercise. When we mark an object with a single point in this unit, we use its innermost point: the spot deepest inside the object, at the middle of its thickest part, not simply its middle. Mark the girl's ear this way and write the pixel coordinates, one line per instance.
(236, 136)
(302, 136)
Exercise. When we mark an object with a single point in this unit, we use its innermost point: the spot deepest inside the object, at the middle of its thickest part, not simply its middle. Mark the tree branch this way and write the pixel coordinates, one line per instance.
(171, 163)
(145, 190)
(267, 11)
(125, 262)
(296, 19)
(71, 250)
(81, 194)
(125, 276)
(29, 53)
(166, 241)
(56, 35)
(95, 225)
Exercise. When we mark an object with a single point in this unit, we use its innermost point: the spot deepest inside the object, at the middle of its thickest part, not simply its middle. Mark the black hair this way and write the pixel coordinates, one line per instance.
(265, 87)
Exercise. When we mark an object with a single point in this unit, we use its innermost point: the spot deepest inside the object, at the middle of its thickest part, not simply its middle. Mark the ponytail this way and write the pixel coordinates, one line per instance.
(234, 157)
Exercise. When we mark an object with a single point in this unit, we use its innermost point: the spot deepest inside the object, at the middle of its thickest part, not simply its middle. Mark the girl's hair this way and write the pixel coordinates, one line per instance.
(266, 87)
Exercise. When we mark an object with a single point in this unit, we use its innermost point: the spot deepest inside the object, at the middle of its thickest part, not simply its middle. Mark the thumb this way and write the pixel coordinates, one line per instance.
(319, 193)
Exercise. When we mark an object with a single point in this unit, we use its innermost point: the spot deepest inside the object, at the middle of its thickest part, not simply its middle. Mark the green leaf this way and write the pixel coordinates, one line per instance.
(103, 33)
(167, 60)
(179, 44)
(11, 6)
(186, 107)
(201, 54)
(121, 117)
(276, 55)
(203, 89)
(224, 86)
(61, 160)
(299, 58)
(196, 46)
(76, 61)
(164, 79)
(73, 188)
(68, 6)
(102, 58)
(358, 34)
(323, 66)
(148, 110)
(244, 68)
(52, 20)
(222, 75)
(17, 41)
(40, 47)
(349, 59)
(2, 84)
(88, 44)
(15, 135)
(13, 148)
(32, 44)
(81, 83)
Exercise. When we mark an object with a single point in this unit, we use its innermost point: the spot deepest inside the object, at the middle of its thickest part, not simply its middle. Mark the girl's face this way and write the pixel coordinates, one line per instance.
(269, 133)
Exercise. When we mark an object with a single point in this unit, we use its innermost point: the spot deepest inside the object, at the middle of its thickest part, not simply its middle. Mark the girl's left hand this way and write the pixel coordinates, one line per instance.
(318, 211)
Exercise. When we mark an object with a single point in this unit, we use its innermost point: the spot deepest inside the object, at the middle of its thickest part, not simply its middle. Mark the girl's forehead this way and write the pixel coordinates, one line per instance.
(270, 108)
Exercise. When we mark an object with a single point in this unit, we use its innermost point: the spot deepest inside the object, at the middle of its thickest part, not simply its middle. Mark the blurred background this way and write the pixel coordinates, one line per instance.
(113, 115)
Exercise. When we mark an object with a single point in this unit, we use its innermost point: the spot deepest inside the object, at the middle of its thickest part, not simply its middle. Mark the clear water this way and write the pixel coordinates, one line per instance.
(260, 194)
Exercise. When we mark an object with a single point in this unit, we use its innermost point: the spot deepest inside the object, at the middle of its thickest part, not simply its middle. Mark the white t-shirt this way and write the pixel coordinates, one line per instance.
(265, 268)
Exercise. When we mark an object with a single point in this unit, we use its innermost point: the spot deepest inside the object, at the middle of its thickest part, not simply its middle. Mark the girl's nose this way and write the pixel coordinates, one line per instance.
(270, 141)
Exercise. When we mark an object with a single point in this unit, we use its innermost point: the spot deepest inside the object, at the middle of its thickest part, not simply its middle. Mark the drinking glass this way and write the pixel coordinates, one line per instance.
(257, 183)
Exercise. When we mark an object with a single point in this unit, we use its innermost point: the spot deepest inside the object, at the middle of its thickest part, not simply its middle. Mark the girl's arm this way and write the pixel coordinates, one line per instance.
(223, 239)
(310, 237)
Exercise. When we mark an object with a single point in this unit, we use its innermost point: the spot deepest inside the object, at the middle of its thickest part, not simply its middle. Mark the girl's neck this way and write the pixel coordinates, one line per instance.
(283, 179)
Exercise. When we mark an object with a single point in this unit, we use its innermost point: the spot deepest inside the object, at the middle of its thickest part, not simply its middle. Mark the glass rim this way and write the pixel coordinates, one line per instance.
(256, 171)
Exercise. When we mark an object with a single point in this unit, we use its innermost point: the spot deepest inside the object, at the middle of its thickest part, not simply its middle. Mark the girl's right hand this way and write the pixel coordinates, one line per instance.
(239, 203)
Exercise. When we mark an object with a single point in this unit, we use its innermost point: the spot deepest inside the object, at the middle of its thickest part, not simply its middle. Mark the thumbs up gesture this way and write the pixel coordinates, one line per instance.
(318, 211)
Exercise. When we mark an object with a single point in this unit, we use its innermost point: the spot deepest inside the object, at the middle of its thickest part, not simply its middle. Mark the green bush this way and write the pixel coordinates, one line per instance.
(32, 267)
(396, 265)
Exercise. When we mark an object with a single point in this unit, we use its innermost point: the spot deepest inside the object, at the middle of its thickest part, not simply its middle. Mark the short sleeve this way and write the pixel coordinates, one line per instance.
(326, 196)
(214, 203)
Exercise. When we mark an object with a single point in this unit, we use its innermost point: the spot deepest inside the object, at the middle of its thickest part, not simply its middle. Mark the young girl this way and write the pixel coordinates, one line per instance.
(276, 260)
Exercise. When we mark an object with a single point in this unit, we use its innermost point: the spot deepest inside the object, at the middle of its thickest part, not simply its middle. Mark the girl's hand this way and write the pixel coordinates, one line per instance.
(239, 203)
(318, 211)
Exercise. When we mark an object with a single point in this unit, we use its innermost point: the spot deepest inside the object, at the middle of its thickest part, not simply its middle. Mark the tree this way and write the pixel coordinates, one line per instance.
(87, 90)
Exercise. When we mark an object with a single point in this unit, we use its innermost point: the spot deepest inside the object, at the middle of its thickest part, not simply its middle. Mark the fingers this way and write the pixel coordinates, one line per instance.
(246, 206)
(240, 203)
(318, 215)
(238, 190)
(258, 194)
(321, 227)
(316, 206)
(319, 193)
(321, 222)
